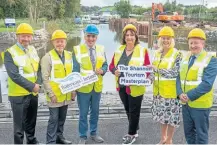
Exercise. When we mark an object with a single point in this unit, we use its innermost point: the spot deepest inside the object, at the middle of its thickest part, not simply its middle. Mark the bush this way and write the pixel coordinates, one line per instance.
(51, 26)
(1, 13)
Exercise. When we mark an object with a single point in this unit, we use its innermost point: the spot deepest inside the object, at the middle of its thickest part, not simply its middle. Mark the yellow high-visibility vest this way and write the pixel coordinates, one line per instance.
(137, 59)
(58, 72)
(191, 78)
(83, 58)
(27, 64)
(162, 86)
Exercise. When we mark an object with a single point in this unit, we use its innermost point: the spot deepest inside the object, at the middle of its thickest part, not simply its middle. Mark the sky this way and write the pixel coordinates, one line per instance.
(146, 3)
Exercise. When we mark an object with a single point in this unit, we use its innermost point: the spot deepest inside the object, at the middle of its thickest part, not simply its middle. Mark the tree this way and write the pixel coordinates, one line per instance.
(123, 8)
(61, 10)
(1, 13)
(35, 9)
(138, 10)
(38, 8)
(13, 8)
(173, 6)
(167, 6)
(72, 8)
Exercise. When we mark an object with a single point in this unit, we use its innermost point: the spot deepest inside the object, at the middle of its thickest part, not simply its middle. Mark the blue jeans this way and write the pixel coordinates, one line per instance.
(88, 101)
(196, 125)
(56, 124)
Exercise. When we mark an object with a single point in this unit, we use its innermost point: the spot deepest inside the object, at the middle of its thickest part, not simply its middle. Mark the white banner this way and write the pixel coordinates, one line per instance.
(75, 81)
(10, 21)
(134, 75)
(91, 78)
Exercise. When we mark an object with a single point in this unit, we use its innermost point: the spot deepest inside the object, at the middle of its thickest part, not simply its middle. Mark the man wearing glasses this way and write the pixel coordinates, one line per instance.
(90, 58)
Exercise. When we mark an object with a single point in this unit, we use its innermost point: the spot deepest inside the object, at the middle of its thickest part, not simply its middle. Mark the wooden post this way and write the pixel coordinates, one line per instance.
(150, 34)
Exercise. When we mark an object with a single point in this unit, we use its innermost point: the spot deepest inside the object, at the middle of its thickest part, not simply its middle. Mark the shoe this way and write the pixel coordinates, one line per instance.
(63, 141)
(129, 140)
(161, 143)
(82, 141)
(136, 135)
(35, 141)
(97, 138)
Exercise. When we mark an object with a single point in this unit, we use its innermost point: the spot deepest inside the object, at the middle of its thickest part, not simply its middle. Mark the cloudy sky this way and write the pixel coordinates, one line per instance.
(145, 3)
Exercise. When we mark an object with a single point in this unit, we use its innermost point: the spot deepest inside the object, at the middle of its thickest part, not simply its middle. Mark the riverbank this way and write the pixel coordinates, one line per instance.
(43, 30)
(110, 105)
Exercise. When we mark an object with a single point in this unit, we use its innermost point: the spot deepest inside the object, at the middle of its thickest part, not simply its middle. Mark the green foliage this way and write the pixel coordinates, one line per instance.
(13, 8)
(173, 7)
(1, 13)
(107, 8)
(89, 10)
(72, 8)
(139, 10)
(123, 8)
(61, 10)
(35, 9)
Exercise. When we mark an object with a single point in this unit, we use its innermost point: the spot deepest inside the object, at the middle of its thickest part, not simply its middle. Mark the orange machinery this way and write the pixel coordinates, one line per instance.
(164, 17)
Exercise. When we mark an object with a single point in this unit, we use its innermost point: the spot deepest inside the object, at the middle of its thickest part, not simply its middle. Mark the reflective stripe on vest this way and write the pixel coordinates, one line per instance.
(58, 72)
(27, 64)
(165, 87)
(83, 58)
(137, 59)
(191, 78)
(165, 79)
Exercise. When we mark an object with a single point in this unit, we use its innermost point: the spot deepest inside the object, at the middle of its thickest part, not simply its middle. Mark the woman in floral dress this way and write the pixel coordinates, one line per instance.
(166, 106)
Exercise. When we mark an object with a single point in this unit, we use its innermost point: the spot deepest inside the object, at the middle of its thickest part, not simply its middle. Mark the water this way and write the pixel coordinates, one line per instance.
(108, 38)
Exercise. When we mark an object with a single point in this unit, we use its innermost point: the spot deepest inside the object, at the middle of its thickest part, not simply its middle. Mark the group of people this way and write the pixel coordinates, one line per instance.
(179, 81)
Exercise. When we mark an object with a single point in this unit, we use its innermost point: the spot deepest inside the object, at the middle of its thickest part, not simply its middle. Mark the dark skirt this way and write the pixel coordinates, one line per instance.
(166, 111)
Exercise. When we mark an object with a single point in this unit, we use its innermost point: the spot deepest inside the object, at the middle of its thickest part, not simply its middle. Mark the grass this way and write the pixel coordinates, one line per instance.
(11, 29)
(7, 29)
(66, 25)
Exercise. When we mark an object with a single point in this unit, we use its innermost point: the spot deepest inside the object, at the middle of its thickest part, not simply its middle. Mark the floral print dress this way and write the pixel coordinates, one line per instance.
(166, 110)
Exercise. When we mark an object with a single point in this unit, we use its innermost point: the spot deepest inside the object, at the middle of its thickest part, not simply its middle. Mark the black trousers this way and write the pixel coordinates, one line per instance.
(56, 122)
(132, 107)
(24, 110)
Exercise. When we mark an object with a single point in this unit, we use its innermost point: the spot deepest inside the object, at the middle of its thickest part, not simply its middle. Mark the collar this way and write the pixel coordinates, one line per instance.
(59, 54)
(196, 55)
(94, 46)
(20, 46)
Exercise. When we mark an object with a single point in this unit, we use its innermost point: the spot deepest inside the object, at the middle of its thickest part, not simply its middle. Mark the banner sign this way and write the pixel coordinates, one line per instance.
(91, 78)
(10, 22)
(75, 81)
(134, 75)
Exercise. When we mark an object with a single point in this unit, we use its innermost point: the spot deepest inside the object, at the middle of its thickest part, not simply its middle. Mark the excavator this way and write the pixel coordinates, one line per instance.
(158, 14)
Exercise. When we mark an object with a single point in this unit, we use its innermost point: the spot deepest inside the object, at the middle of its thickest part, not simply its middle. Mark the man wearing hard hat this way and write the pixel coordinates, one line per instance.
(198, 71)
(56, 65)
(90, 58)
(22, 65)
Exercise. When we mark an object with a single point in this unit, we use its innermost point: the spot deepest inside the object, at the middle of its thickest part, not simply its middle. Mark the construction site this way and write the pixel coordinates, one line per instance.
(151, 24)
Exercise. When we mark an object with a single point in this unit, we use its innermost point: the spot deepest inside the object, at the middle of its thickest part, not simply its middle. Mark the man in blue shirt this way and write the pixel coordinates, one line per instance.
(198, 71)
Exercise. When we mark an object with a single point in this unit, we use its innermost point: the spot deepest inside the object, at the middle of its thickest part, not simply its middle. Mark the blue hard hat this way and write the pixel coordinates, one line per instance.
(91, 29)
